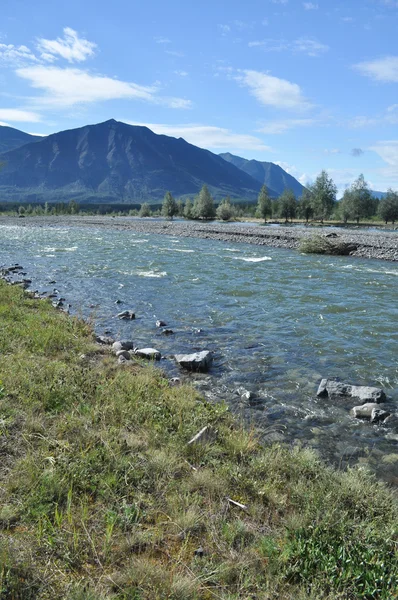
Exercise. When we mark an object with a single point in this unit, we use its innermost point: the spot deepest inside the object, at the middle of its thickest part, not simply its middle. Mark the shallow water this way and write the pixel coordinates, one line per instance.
(277, 321)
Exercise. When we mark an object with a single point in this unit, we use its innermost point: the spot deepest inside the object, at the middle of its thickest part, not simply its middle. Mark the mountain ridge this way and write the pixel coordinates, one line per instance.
(114, 162)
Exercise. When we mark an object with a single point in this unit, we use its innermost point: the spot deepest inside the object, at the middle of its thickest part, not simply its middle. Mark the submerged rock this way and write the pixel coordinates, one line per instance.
(126, 315)
(160, 323)
(199, 361)
(363, 393)
(148, 353)
(371, 411)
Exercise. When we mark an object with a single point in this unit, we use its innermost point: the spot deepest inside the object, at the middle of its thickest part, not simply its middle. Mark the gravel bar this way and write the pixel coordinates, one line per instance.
(380, 244)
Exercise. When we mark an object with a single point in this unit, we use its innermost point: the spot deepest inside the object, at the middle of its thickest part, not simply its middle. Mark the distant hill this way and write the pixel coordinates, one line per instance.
(116, 162)
(273, 176)
(11, 138)
(378, 195)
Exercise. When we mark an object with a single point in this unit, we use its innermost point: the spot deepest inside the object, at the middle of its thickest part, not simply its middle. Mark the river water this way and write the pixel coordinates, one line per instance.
(277, 321)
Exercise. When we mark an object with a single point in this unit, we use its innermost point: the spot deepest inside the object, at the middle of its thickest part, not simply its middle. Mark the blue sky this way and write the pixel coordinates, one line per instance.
(308, 85)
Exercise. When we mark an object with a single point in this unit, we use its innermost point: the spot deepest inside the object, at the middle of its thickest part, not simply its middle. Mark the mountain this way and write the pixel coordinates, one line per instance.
(11, 138)
(273, 176)
(116, 162)
(379, 195)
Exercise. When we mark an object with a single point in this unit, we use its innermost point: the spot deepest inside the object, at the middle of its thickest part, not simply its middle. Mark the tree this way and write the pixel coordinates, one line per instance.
(323, 195)
(361, 201)
(180, 208)
(188, 209)
(345, 205)
(304, 207)
(388, 207)
(287, 205)
(225, 210)
(264, 207)
(145, 210)
(204, 205)
(169, 206)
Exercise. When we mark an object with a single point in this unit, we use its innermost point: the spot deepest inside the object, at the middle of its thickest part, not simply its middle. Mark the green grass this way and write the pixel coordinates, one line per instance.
(101, 497)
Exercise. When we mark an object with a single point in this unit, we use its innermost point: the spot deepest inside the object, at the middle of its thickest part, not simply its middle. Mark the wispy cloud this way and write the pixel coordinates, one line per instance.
(162, 40)
(71, 47)
(225, 29)
(278, 127)
(208, 136)
(71, 86)
(388, 152)
(310, 6)
(273, 91)
(279, 1)
(304, 45)
(381, 69)
(19, 115)
(357, 152)
(16, 56)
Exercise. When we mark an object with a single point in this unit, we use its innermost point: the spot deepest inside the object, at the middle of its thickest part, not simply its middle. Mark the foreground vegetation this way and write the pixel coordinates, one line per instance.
(102, 496)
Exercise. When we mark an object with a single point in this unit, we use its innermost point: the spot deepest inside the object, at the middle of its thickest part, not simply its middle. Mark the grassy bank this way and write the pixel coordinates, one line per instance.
(102, 497)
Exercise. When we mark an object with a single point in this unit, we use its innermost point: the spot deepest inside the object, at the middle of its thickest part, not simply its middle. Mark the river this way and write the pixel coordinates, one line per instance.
(277, 321)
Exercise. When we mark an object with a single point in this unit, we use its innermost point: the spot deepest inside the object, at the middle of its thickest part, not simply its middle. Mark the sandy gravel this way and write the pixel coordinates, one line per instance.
(378, 244)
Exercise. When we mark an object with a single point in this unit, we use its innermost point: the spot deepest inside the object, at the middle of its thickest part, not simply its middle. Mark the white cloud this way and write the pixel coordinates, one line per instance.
(347, 19)
(381, 69)
(207, 136)
(67, 87)
(303, 178)
(280, 1)
(388, 151)
(70, 47)
(273, 91)
(162, 40)
(278, 127)
(308, 46)
(16, 55)
(332, 151)
(19, 116)
(310, 6)
(224, 29)
(181, 73)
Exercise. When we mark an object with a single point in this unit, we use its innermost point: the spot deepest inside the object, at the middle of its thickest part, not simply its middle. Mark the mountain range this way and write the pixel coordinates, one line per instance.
(116, 162)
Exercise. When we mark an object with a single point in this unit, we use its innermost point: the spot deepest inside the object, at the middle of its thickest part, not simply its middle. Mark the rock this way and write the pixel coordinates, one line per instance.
(123, 353)
(199, 361)
(122, 345)
(118, 302)
(126, 315)
(148, 353)
(368, 394)
(363, 393)
(328, 387)
(199, 552)
(175, 381)
(160, 324)
(364, 411)
(246, 395)
(104, 339)
(379, 415)
(167, 332)
(121, 360)
(331, 235)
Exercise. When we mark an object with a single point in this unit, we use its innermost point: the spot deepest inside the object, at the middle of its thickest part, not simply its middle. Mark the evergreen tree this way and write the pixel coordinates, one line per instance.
(188, 209)
(323, 196)
(264, 207)
(204, 205)
(388, 207)
(169, 206)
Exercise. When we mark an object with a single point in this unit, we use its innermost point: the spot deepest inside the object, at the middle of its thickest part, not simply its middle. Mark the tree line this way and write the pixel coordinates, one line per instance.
(317, 202)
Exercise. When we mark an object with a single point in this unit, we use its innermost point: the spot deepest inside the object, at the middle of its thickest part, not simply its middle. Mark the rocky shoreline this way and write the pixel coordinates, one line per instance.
(381, 245)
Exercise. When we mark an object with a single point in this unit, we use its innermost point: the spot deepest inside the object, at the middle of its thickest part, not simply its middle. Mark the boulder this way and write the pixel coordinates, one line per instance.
(167, 332)
(364, 411)
(160, 324)
(104, 339)
(122, 345)
(330, 388)
(379, 415)
(126, 315)
(148, 353)
(122, 360)
(368, 394)
(199, 361)
(123, 353)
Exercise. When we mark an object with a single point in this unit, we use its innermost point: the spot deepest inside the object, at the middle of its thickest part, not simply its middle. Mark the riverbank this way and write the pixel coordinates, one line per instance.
(380, 245)
(103, 496)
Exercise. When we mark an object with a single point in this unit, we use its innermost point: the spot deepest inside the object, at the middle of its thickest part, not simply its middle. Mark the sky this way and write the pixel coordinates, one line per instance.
(306, 85)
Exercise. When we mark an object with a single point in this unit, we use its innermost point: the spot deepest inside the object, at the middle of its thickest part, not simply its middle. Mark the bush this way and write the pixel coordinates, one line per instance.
(318, 244)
